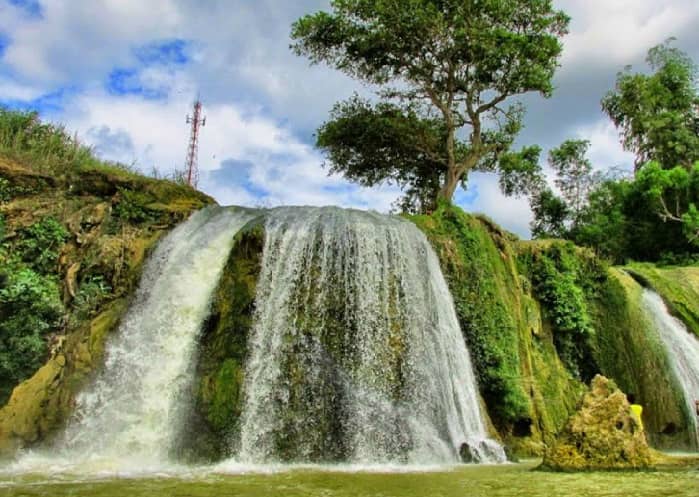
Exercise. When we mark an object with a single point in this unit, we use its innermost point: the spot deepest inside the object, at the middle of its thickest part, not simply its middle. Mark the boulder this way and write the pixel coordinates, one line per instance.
(602, 435)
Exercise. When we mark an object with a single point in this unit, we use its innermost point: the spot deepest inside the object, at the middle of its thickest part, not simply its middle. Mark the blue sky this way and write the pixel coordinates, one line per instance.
(123, 75)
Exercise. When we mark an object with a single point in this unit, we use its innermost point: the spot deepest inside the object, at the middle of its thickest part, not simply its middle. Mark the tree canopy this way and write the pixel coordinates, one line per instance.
(658, 113)
(444, 70)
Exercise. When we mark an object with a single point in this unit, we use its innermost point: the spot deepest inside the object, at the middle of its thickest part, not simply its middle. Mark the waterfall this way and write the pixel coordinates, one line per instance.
(683, 350)
(356, 353)
(134, 408)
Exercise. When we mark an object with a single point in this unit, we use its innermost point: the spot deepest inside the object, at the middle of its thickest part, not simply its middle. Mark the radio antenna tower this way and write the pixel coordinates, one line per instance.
(196, 120)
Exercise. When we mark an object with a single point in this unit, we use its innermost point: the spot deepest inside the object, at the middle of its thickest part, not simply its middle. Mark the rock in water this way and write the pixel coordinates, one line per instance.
(603, 434)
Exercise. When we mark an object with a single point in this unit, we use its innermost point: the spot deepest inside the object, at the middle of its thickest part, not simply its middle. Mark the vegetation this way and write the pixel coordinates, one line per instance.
(74, 232)
(658, 114)
(652, 216)
(561, 278)
(445, 69)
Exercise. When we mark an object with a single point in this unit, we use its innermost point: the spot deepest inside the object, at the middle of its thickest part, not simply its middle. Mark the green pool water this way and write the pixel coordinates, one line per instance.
(472, 481)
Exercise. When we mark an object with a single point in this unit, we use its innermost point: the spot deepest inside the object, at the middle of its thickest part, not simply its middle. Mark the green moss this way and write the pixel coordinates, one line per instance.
(223, 350)
(628, 349)
(527, 390)
(484, 290)
(679, 287)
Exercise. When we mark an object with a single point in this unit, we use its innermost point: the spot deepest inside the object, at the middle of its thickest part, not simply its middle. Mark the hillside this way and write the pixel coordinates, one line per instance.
(74, 232)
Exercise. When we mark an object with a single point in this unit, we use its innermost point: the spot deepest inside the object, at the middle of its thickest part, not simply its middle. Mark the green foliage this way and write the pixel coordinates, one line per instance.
(8, 191)
(658, 114)
(31, 308)
(90, 295)
(442, 66)
(40, 243)
(562, 280)
(550, 215)
(50, 148)
(131, 207)
(573, 171)
(673, 195)
(602, 224)
(650, 217)
(484, 296)
(371, 144)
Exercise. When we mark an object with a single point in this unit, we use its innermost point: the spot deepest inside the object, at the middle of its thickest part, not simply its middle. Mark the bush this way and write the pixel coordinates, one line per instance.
(40, 244)
(31, 307)
(562, 282)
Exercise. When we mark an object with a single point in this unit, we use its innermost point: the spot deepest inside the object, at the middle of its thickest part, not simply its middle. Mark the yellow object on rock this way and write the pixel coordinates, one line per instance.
(637, 411)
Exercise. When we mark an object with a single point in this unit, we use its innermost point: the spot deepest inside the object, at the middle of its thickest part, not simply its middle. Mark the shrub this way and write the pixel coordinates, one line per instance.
(31, 308)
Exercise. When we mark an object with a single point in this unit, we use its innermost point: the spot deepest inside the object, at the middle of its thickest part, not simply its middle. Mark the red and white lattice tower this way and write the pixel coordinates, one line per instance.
(191, 167)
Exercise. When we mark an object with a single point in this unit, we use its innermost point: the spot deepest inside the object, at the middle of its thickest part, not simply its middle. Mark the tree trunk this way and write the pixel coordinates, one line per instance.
(451, 181)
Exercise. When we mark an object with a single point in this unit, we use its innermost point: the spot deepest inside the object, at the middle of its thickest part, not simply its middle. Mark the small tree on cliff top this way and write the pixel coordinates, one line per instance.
(445, 68)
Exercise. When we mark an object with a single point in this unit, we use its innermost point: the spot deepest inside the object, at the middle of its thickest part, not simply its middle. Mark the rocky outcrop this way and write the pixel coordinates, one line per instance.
(602, 435)
(82, 236)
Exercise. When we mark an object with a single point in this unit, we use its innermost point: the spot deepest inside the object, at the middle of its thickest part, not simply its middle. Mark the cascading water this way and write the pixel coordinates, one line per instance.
(133, 410)
(356, 353)
(683, 351)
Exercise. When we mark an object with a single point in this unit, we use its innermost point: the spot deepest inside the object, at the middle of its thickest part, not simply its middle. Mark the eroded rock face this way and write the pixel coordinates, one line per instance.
(602, 434)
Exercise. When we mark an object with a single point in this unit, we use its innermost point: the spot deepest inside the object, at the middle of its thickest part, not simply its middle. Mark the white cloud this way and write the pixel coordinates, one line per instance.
(618, 32)
(605, 149)
(511, 212)
(262, 102)
(78, 40)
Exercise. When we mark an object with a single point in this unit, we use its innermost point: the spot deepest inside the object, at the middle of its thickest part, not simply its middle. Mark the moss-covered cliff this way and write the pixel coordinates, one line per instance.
(679, 287)
(71, 249)
(628, 349)
(527, 389)
(542, 318)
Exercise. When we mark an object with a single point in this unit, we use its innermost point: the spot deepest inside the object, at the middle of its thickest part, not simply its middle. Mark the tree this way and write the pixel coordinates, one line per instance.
(574, 177)
(444, 69)
(672, 195)
(556, 216)
(550, 215)
(658, 114)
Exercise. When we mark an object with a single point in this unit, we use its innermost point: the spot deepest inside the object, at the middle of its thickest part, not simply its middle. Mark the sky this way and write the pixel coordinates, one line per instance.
(123, 75)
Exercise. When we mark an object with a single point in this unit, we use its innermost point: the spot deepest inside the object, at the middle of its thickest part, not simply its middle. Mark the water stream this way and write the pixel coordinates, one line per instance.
(356, 353)
(683, 351)
(131, 414)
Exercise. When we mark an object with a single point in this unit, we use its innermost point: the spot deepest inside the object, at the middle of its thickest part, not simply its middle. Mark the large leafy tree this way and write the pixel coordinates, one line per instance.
(658, 113)
(444, 70)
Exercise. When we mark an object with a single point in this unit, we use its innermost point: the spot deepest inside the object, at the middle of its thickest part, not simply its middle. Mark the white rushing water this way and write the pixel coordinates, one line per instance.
(129, 417)
(356, 353)
(683, 351)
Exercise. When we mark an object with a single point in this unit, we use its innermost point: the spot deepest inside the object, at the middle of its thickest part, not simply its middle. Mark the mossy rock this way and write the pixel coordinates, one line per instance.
(528, 392)
(602, 435)
(223, 351)
(42, 404)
